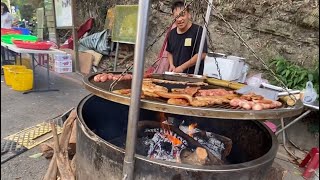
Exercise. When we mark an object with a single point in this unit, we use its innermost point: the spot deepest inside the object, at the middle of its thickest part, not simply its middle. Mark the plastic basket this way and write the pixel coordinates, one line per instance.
(8, 72)
(9, 31)
(24, 31)
(32, 45)
(9, 37)
(22, 80)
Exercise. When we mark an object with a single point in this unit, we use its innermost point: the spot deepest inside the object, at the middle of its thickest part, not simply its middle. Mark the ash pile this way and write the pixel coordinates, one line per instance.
(183, 144)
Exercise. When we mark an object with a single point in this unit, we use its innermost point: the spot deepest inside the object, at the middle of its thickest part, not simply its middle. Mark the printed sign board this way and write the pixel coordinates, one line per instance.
(63, 13)
(125, 24)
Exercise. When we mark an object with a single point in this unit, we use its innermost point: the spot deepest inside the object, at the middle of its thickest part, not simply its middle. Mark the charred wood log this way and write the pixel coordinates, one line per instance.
(198, 157)
(193, 144)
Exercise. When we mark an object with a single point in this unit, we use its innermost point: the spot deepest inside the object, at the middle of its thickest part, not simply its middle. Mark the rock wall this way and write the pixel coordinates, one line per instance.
(288, 28)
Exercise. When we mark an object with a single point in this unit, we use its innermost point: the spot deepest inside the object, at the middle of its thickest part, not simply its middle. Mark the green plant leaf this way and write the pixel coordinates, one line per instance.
(287, 73)
(310, 77)
(272, 63)
(293, 74)
(295, 81)
(303, 75)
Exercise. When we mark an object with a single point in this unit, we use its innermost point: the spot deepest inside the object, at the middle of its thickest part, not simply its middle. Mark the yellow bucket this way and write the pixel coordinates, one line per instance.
(22, 80)
(8, 72)
(25, 62)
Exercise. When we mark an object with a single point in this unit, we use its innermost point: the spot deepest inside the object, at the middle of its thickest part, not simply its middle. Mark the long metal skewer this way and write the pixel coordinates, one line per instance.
(114, 83)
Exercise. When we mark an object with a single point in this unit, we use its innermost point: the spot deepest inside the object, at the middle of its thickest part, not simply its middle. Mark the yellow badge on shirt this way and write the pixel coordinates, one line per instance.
(187, 42)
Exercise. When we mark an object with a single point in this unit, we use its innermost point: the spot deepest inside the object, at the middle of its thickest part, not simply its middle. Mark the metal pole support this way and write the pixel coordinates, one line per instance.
(75, 36)
(294, 121)
(203, 36)
(134, 110)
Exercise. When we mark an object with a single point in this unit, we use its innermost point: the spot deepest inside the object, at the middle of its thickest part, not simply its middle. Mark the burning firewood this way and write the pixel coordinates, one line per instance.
(60, 162)
(159, 133)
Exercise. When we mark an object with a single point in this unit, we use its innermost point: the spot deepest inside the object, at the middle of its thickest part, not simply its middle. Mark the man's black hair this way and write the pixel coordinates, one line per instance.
(5, 7)
(178, 4)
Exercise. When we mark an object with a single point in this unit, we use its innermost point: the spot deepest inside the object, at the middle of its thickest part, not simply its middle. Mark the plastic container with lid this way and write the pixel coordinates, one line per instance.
(230, 66)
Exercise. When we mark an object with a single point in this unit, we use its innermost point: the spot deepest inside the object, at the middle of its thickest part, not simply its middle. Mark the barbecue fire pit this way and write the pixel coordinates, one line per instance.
(102, 130)
(236, 149)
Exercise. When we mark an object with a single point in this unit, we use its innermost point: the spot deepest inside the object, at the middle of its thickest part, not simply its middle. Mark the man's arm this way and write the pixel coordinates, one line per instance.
(170, 59)
(191, 62)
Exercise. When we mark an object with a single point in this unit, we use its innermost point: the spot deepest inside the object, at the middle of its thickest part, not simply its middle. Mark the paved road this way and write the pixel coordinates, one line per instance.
(19, 111)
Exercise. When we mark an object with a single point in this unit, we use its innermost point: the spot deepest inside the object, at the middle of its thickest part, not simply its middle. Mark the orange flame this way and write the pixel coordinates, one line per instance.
(175, 141)
(191, 129)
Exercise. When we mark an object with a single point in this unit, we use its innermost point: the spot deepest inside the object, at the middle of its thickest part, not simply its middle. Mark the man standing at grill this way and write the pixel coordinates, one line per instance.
(183, 42)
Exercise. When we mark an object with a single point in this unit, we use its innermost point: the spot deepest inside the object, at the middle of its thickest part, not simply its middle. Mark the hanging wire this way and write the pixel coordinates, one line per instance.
(211, 43)
(220, 16)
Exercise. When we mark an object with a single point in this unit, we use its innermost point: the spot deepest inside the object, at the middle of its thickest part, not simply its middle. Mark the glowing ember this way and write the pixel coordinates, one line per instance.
(191, 129)
(175, 141)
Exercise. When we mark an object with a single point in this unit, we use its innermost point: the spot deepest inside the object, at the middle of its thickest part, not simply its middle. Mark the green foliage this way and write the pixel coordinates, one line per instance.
(294, 76)
(27, 8)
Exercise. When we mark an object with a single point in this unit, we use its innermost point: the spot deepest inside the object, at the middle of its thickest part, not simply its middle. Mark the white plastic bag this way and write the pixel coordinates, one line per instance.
(255, 80)
(310, 94)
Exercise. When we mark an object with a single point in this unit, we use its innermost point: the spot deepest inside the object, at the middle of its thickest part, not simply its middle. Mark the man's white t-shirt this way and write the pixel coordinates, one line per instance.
(6, 20)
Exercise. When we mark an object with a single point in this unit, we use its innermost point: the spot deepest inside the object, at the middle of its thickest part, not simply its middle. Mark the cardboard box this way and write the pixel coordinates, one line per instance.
(62, 57)
(60, 63)
(67, 63)
(84, 62)
(63, 69)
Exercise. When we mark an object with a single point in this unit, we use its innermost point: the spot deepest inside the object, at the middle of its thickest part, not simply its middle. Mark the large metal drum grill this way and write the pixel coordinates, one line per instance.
(103, 118)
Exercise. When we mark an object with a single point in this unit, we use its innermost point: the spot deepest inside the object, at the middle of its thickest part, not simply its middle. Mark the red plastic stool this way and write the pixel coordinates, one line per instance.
(312, 163)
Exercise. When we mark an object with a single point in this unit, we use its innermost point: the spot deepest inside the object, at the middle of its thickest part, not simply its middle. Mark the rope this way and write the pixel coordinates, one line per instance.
(251, 50)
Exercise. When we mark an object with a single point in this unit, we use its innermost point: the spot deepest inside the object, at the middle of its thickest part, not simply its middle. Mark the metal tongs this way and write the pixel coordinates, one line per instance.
(115, 82)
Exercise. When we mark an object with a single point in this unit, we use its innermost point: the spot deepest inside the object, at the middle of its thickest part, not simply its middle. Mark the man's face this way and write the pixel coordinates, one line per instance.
(183, 20)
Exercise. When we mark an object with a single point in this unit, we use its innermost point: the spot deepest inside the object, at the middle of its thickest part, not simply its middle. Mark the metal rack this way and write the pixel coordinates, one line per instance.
(223, 111)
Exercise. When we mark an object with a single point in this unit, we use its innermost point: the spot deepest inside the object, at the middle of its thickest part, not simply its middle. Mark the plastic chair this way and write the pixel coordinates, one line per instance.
(312, 163)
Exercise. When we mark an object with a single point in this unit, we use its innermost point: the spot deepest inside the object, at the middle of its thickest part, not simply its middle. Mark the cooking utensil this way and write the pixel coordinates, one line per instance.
(179, 77)
(266, 93)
